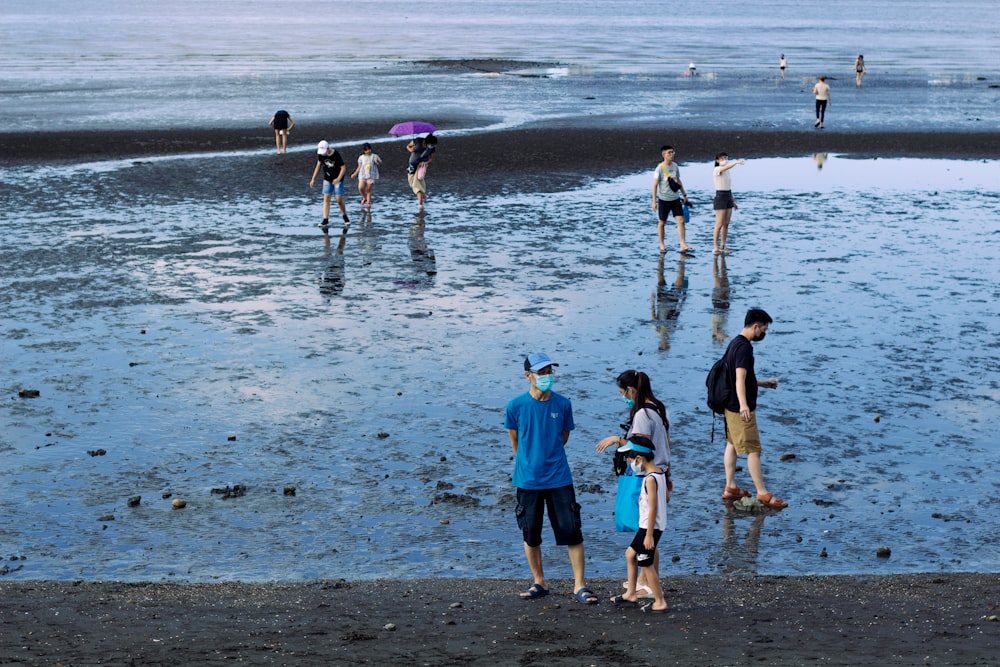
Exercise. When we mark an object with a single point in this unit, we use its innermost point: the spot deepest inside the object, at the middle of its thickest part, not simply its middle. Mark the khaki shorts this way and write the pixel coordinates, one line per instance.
(743, 435)
(416, 184)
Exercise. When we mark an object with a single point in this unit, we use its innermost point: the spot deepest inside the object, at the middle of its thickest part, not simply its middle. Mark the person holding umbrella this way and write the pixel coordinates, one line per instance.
(421, 154)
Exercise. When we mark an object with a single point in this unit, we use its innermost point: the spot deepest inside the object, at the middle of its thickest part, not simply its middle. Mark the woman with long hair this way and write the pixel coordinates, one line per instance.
(647, 417)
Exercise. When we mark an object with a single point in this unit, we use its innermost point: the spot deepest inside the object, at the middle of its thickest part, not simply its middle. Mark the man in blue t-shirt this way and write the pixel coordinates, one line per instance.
(538, 423)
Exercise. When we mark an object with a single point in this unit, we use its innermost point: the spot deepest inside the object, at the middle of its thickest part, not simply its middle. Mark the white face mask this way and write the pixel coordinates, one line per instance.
(636, 465)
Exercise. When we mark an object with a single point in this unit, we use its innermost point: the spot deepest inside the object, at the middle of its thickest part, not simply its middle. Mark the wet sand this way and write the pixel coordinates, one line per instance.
(940, 619)
(576, 146)
(925, 619)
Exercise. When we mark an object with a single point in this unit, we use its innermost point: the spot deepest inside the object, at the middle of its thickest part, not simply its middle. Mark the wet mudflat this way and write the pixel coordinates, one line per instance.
(206, 337)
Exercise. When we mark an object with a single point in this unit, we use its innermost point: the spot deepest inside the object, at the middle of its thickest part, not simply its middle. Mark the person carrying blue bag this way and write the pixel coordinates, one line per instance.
(648, 417)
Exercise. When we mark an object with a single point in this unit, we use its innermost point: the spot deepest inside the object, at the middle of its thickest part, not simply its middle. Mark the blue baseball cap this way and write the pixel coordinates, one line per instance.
(536, 361)
(639, 444)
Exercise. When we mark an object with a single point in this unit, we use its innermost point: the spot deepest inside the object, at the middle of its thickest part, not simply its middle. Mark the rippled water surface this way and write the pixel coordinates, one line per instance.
(208, 341)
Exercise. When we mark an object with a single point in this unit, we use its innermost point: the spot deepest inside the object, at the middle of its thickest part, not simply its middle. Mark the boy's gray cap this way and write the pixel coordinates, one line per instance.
(536, 361)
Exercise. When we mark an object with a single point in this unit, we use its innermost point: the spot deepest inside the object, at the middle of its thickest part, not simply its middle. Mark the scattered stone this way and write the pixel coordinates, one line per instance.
(992, 618)
(444, 486)
(179, 503)
(134, 501)
(937, 515)
(29, 393)
(142, 331)
(235, 491)
(399, 393)
(166, 495)
(445, 522)
(231, 438)
(444, 458)
(877, 419)
(457, 499)
(96, 452)
(289, 491)
(455, 605)
(788, 457)
(823, 503)
(391, 627)
(107, 517)
(883, 552)
(798, 538)
(675, 559)
(822, 554)
(381, 435)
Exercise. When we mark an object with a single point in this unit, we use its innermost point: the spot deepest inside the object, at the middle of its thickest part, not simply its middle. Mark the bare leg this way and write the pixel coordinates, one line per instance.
(340, 205)
(576, 560)
(727, 215)
(277, 140)
(659, 234)
(730, 462)
(633, 574)
(653, 581)
(326, 206)
(680, 234)
(534, 556)
(719, 219)
(754, 468)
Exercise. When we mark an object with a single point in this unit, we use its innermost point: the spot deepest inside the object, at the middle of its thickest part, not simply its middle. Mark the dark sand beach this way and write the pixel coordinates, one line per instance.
(921, 619)
(595, 151)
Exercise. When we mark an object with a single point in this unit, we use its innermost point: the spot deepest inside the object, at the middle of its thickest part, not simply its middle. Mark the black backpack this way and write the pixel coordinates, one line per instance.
(719, 387)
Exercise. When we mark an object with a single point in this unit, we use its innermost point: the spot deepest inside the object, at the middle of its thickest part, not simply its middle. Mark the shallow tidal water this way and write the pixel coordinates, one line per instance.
(229, 342)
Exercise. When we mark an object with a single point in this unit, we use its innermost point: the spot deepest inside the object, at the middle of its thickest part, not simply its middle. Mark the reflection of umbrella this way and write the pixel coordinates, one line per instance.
(411, 127)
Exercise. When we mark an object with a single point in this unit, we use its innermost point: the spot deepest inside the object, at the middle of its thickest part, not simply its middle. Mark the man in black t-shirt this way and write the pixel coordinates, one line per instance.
(329, 160)
(742, 436)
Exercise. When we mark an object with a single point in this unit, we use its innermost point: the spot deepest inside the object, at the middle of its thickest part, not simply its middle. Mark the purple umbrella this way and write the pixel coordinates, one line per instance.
(411, 127)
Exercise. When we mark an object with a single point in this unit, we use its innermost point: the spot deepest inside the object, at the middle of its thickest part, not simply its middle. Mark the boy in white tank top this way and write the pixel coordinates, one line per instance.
(652, 522)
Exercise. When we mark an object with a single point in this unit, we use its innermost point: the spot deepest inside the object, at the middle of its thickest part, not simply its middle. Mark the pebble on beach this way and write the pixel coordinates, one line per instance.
(179, 503)
(883, 552)
(29, 393)
(134, 501)
(877, 419)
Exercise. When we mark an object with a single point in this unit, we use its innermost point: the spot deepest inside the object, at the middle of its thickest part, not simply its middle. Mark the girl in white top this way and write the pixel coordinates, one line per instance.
(724, 202)
(367, 174)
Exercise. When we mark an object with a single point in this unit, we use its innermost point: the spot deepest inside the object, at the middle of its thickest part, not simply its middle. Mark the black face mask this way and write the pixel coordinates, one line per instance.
(759, 337)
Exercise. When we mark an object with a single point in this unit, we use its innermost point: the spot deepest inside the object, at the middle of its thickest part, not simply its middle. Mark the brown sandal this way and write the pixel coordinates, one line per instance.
(772, 501)
(734, 493)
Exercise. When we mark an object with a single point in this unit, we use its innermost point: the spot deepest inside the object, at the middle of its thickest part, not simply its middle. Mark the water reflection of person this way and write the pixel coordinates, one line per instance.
(331, 280)
(666, 301)
(736, 557)
(820, 158)
(424, 262)
(720, 299)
